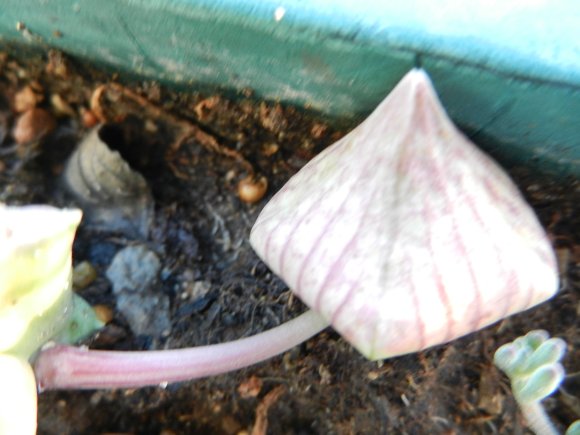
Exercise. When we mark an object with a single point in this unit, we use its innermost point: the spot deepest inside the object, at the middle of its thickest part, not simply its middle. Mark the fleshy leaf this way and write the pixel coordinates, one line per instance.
(539, 385)
(549, 352)
(511, 357)
(17, 396)
(523, 356)
(535, 338)
(574, 428)
(403, 234)
(36, 302)
(81, 323)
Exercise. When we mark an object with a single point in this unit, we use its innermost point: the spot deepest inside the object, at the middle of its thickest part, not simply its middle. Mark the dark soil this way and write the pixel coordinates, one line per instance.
(200, 231)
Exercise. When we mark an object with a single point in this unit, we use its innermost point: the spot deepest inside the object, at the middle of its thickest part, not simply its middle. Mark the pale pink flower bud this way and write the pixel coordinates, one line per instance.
(403, 234)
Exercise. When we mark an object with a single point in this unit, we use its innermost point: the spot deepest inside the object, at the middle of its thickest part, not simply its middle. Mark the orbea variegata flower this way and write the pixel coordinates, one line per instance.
(403, 234)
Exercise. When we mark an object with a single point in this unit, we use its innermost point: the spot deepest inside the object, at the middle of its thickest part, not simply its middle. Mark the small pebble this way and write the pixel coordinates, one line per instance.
(83, 275)
(251, 190)
(133, 268)
(134, 278)
(89, 119)
(104, 313)
(25, 99)
(270, 149)
(32, 125)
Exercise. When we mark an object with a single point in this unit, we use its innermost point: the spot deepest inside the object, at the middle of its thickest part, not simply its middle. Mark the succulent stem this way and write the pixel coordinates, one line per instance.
(67, 367)
(537, 419)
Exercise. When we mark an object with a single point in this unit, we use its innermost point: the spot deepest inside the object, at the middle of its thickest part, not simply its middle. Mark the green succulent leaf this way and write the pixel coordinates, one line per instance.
(81, 323)
(512, 357)
(549, 352)
(574, 428)
(36, 301)
(534, 339)
(540, 384)
(17, 396)
(522, 357)
(532, 363)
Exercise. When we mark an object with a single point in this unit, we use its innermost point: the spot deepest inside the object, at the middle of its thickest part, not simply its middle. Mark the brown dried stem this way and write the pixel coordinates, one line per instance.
(105, 104)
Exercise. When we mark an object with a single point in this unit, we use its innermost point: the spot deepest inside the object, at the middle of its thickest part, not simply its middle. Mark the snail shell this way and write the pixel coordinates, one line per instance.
(112, 195)
(403, 234)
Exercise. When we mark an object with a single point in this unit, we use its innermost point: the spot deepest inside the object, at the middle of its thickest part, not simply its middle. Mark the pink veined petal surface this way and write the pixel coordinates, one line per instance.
(405, 235)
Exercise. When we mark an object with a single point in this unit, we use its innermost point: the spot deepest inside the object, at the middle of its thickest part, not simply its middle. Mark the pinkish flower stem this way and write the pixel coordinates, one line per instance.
(68, 367)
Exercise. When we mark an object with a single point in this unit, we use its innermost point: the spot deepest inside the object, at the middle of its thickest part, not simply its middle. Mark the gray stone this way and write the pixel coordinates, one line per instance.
(133, 268)
(134, 277)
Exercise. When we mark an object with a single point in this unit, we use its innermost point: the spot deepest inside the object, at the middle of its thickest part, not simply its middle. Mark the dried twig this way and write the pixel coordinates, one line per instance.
(116, 93)
(261, 423)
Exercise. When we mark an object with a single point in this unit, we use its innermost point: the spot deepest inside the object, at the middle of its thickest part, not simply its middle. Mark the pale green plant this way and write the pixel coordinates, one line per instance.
(532, 363)
(36, 302)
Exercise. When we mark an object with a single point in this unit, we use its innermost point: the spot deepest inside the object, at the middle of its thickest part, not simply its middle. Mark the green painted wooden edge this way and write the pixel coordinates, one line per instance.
(507, 71)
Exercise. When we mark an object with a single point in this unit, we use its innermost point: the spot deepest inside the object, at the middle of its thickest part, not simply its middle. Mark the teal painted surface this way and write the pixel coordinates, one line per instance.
(509, 70)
